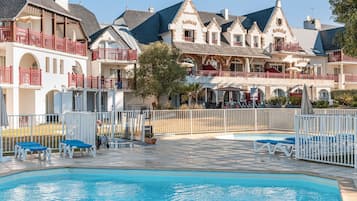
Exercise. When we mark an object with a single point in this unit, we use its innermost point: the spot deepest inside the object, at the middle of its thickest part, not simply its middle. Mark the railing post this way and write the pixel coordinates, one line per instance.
(255, 119)
(355, 144)
(191, 122)
(31, 128)
(225, 120)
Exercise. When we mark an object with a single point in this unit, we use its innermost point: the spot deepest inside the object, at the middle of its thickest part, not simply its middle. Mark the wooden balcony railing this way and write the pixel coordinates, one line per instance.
(6, 75)
(289, 47)
(75, 80)
(269, 75)
(38, 39)
(95, 82)
(115, 54)
(5, 34)
(30, 76)
(338, 56)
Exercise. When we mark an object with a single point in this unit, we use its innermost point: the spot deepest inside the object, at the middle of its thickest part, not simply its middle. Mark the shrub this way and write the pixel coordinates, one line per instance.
(277, 101)
(354, 104)
(184, 107)
(344, 99)
(321, 104)
(295, 100)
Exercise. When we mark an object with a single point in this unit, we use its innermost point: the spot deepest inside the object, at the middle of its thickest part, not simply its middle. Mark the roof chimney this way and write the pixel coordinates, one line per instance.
(62, 3)
(151, 10)
(311, 23)
(225, 13)
(278, 4)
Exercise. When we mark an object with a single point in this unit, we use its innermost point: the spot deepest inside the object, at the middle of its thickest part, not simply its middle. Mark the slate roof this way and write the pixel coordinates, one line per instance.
(88, 19)
(329, 38)
(309, 40)
(9, 9)
(223, 50)
(261, 17)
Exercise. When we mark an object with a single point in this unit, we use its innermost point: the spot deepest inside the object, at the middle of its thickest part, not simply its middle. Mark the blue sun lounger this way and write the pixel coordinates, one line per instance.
(22, 148)
(287, 146)
(68, 146)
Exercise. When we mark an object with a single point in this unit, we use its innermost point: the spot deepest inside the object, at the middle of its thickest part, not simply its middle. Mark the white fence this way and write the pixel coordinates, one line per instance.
(50, 129)
(327, 139)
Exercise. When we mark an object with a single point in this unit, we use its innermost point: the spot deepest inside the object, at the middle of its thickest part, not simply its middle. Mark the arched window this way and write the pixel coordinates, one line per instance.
(279, 93)
(324, 95)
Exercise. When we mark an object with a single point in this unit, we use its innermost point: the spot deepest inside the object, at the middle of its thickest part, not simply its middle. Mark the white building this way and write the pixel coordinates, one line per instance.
(258, 49)
(42, 43)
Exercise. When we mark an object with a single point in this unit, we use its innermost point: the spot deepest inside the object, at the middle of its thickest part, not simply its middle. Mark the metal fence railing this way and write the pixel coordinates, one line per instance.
(50, 129)
(326, 138)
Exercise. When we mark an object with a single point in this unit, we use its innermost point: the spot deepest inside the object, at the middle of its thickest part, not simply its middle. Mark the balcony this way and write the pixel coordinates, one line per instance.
(30, 76)
(338, 56)
(75, 80)
(288, 47)
(95, 82)
(115, 54)
(33, 38)
(6, 75)
(268, 75)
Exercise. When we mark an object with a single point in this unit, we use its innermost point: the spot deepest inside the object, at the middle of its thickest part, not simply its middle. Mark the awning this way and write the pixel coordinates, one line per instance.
(230, 89)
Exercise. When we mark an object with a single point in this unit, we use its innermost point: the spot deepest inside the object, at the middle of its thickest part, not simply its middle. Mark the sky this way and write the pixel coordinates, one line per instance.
(295, 10)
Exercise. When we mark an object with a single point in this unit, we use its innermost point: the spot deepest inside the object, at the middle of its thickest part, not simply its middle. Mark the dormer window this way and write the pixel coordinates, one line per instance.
(256, 41)
(238, 40)
(214, 38)
(189, 35)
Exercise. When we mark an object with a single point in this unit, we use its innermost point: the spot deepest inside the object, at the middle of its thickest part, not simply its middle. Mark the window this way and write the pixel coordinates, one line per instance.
(61, 67)
(324, 95)
(279, 21)
(278, 67)
(278, 43)
(336, 71)
(214, 38)
(236, 66)
(54, 66)
(256, 41)
(238, 40)
(189, 36)
(47, 65)
(2, 61)
(257, 68)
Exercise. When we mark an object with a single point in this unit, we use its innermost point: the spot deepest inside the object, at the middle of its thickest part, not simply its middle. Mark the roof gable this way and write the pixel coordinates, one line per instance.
(215, 24)
(261, 17)
(234, 24)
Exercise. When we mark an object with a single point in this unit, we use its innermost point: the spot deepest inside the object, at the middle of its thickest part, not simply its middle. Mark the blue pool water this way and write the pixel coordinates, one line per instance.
(152, 185)
(254, 136)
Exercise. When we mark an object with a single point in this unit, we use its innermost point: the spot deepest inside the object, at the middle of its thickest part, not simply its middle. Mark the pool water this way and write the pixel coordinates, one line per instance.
(254, 136)
(149, 185)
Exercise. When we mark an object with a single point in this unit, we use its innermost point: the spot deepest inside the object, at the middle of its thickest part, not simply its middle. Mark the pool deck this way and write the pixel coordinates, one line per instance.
(202, 152)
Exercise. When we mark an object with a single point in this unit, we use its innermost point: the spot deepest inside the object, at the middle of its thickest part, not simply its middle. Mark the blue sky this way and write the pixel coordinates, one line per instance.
(295, 10)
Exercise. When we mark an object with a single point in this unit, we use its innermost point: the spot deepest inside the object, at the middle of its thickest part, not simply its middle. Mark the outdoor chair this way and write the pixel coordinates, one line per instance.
(68, 147)
(22, 148)
(286, 146)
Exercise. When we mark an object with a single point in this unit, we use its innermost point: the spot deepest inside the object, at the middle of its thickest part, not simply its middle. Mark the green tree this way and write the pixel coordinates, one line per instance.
(159, 73)
(345, 11)
(191, 91)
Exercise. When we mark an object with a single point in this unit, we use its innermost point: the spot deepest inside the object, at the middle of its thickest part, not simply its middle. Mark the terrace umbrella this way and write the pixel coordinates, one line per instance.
(3, 121)
(306, 106)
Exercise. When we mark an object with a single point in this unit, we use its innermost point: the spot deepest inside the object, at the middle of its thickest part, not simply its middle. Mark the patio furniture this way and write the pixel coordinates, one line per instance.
(68, 147)
(22, 148)
(286, 146)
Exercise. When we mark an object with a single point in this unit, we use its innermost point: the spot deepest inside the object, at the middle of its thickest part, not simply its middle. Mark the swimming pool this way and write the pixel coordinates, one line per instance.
(109, 184)
(255, 136)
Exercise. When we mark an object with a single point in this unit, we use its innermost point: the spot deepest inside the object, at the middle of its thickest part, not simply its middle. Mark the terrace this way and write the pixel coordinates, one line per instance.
(96, 82)
(115, 54)
(6, 75)
(39, 39)
(338, 56)
(288, 47)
